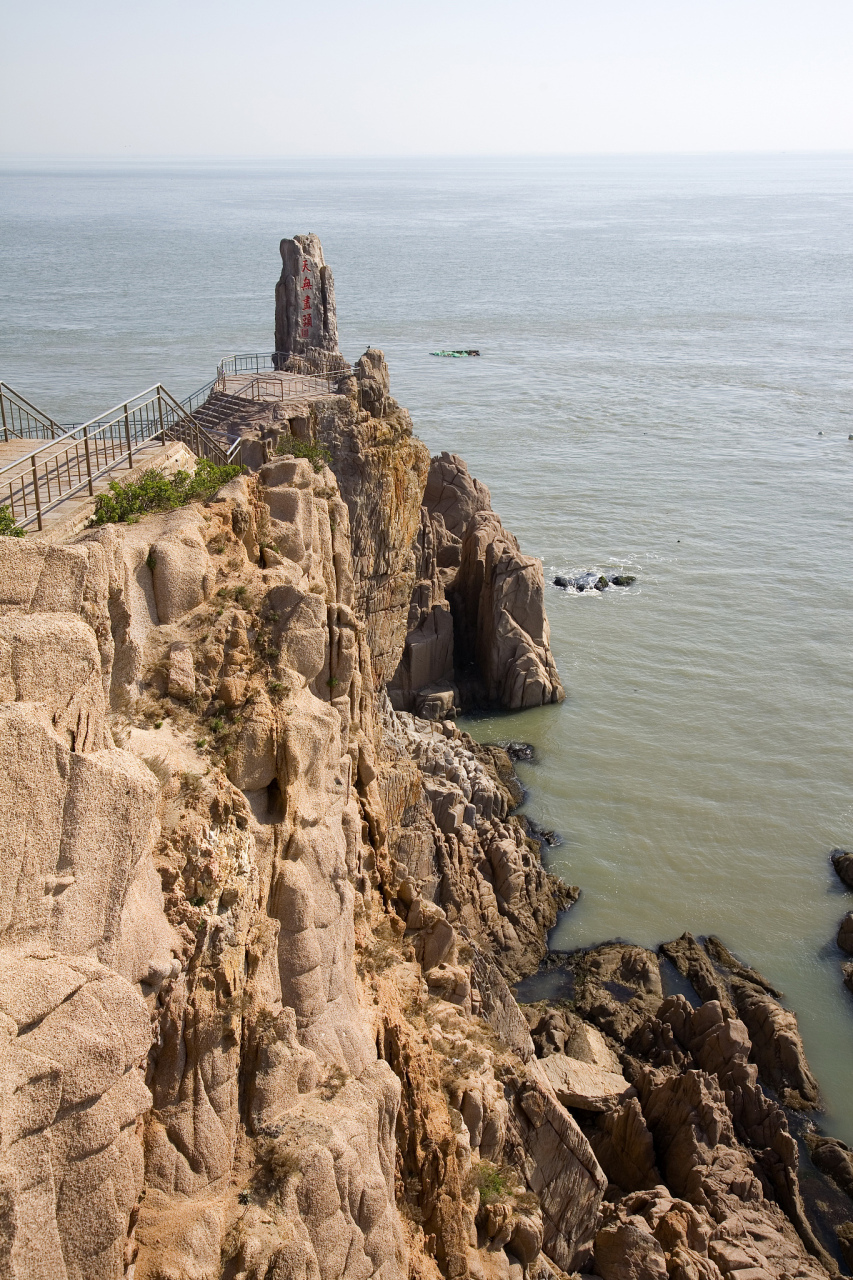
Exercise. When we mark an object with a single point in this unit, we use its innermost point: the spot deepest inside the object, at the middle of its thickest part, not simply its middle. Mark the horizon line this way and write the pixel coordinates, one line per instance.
(145, 157)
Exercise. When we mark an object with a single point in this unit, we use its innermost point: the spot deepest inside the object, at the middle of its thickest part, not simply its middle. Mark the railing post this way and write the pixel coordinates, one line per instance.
(160, 412)
(36, 493)
(127, 436)
(88, 460)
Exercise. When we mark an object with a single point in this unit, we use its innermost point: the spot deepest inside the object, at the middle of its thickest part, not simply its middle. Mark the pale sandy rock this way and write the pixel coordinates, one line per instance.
(381, 470)
(182, 572)
(53, 659)
(498, 628)
(181, 673)
(453, 494)
(585, 1085)
(252, 764)
(560, 1168)
(70, 1151)
(501, 595)
(179, 1241)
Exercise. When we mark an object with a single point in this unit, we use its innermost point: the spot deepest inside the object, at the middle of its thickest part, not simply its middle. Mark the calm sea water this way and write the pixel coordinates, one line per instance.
(664, 341)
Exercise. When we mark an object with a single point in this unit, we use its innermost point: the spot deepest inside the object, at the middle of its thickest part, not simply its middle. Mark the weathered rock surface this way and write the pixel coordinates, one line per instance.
(477, 625)
(264, 908)
(845, 934)
(585, 1085)
(305, 314)
(701, 1164)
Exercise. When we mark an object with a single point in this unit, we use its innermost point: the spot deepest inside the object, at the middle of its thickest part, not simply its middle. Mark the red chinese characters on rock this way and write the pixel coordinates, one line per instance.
(306, 304)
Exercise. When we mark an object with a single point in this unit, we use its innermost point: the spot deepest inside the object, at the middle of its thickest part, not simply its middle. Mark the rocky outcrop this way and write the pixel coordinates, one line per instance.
(305, 315)
(245, 955)
(477, 631)
(701, 1163)
(258, 922)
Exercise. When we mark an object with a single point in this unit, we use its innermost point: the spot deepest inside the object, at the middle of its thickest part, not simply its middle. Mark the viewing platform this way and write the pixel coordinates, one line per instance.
(51, 474)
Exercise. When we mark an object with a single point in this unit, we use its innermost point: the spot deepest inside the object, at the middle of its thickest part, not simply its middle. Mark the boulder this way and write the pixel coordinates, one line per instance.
(626, 1252)
(584, 1085)
(845, 934)
(834, 1158)
(777, 1046)
(181, 673)
(624, 1147)
(620, 988)
(842, 861)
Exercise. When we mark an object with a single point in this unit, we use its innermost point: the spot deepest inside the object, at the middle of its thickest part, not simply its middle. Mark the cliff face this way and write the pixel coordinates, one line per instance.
(258, 919)
(477, 630)
(254, 920)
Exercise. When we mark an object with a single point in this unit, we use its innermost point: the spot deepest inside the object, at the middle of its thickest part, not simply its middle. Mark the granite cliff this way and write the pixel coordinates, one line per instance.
(262, 901)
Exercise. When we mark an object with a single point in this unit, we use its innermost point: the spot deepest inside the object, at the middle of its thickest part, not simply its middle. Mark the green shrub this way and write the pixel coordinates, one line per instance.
(8, 528)
(316, 454)
(492, 1183)
(155, 492)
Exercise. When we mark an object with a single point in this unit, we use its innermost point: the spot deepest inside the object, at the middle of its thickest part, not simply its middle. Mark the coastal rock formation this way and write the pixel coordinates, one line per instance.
(305, 315)
(701, 1164)
(477, 630)
(246, 943)
(259, 920)
(842, 861)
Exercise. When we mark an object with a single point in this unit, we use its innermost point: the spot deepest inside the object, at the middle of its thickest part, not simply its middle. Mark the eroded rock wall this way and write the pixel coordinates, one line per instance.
(243, 957)
(477, 631)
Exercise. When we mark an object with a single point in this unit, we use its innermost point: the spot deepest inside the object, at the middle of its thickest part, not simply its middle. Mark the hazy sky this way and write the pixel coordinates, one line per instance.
(376, 77)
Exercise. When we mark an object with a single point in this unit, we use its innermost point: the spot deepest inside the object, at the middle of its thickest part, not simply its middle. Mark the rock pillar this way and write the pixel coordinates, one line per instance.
(305, 318)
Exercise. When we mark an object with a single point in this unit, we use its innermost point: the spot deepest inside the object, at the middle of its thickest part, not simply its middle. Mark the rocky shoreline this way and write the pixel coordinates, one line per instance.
(264, 906)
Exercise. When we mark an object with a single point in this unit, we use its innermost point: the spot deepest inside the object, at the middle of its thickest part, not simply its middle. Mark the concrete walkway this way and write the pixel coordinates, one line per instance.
(73, 514)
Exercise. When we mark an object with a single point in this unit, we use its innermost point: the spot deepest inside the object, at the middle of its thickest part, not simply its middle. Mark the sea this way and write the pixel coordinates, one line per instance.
(665, 387)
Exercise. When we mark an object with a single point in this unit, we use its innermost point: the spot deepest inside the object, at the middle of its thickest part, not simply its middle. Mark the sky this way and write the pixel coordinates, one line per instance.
(272, 78)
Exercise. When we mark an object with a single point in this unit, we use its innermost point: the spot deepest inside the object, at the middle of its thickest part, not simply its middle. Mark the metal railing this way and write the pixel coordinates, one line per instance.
(71, 464)
(198, 398)
(261, 362)
(286, 387)
(253, 362)
(21, 420)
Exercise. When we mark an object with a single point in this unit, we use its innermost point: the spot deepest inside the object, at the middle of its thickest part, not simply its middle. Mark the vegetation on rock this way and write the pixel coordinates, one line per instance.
(316, 454)
(8, 528)
(155, 492)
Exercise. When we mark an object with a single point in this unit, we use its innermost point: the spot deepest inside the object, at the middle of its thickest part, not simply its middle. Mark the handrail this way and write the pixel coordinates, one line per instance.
(65, 467)
(276, 389)
(72, 458)
(197, 398)
(31, 423)
(259, 361)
